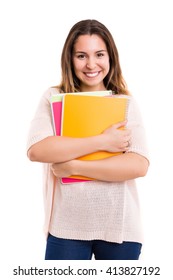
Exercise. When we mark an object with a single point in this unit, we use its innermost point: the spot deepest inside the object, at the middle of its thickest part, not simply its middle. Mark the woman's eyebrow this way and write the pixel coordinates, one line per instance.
(86, 52)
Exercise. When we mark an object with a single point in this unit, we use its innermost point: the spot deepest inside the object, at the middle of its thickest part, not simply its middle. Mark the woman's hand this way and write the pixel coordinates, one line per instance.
(64, 169)
(116, 138)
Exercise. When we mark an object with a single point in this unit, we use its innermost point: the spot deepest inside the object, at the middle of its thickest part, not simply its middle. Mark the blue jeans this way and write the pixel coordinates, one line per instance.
(67, 249)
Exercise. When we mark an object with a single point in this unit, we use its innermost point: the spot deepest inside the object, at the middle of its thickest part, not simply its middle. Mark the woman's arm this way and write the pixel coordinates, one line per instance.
(117, 168)
(61, 149)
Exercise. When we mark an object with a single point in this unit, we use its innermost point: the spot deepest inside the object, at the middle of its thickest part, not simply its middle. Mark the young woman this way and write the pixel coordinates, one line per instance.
(99, 217)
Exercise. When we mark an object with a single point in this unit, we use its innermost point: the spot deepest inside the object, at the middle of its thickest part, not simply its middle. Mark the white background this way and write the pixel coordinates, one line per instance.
(32, 36)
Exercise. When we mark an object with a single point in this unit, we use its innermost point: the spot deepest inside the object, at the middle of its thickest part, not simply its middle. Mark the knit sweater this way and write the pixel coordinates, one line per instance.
(90, 210)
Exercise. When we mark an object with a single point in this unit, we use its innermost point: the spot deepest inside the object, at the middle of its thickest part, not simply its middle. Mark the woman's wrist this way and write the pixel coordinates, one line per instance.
(101, 140)
(75, 167)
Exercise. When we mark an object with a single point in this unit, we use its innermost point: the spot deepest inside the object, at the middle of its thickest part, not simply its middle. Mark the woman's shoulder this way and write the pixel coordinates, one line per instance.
(49, 92)
(134, 111)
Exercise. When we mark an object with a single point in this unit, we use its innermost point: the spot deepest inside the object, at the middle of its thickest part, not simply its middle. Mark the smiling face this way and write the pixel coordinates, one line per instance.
(91, 62)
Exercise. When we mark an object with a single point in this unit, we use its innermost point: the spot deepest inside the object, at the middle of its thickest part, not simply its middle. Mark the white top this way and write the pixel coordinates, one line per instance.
(90, 210)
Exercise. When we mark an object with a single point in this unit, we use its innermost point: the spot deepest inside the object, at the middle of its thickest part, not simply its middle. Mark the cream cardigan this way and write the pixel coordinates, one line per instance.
(90, 210)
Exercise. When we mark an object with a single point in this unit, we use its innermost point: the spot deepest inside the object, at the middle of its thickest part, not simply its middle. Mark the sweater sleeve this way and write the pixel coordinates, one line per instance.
(138, 142)
(41, 126)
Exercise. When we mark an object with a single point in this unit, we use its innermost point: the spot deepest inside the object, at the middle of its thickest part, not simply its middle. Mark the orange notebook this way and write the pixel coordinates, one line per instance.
(84, 116)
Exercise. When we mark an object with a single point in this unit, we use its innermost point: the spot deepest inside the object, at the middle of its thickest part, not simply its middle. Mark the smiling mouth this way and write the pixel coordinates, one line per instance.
(92, 74)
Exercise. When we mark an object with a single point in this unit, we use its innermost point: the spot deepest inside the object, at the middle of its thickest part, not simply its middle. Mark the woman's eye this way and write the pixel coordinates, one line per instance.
(81, 56)
(100, 54)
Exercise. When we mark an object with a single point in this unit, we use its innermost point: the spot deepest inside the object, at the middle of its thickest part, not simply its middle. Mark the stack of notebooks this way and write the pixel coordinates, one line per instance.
(85, 114)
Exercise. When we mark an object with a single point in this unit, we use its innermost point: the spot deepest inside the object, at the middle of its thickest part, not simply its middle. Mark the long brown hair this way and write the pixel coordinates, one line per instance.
(113, 81)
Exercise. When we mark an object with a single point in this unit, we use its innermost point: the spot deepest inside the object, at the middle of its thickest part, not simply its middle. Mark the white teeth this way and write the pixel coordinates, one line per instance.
(91, 74)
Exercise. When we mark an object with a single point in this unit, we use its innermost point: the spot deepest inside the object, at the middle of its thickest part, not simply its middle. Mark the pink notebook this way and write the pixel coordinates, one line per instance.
(57, 110)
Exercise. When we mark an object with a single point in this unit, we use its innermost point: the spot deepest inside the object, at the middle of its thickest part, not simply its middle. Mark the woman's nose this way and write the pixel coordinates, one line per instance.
(91, 63)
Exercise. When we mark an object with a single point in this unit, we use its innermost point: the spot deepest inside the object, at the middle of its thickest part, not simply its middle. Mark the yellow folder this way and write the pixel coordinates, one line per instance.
(84, 116)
